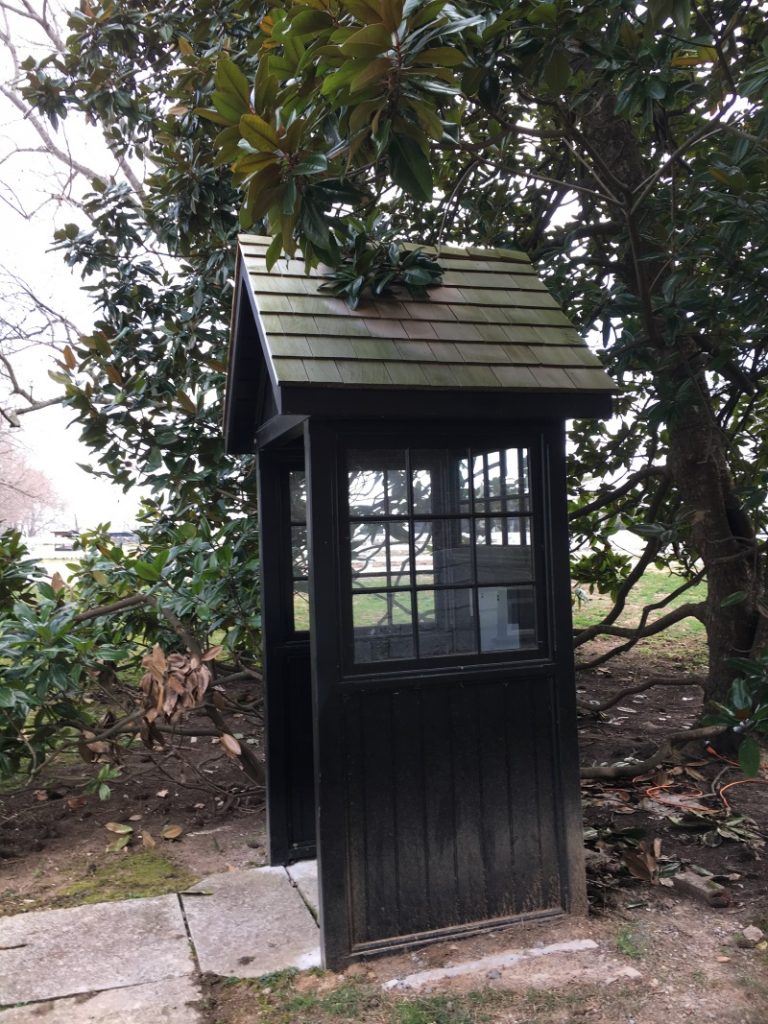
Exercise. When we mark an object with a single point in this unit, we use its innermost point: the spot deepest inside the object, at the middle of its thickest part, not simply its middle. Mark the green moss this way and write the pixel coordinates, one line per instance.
(123, 877)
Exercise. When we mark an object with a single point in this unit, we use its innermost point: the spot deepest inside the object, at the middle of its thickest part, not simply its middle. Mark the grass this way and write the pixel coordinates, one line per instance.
(291, 998)
(628, 943)
(653, 587)
(125, 876)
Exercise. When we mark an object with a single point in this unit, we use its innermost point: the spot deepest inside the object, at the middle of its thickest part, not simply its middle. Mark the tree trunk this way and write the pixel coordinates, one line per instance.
(720, 530)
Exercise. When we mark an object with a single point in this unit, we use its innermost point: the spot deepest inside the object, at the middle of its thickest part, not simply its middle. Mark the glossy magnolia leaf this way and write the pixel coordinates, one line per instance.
(251, 163)
(231, 81)
(119, 844)
(737, 597)
(274, 251)
(410, 167)
(427, 118)
(367, 42)
(226, 143)
(309, 22)
(443, 56)
(375, 72)
(557, 72)
(749, 756)
(391, 13)
(367, 11)
(211, 114)
(229, 110)
(262, 136)
(312, 163)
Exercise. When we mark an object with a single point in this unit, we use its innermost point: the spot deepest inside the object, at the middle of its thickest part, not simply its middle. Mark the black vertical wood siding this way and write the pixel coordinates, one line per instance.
(453, 815)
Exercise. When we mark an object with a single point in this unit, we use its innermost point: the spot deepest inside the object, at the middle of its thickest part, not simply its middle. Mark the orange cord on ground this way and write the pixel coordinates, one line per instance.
(738, 782)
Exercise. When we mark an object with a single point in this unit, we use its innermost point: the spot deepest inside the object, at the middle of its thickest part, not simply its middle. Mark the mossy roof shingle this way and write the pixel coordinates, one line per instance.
(491, 325)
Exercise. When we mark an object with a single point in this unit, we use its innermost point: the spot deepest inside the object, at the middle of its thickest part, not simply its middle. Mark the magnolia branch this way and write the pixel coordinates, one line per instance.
(628, 770)
(628, 691)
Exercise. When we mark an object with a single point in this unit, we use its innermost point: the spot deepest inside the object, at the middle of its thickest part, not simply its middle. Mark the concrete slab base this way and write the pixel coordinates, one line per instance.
(251, 923)
(551, 966)
(51, 953)
(303, 874)
(173, 1001)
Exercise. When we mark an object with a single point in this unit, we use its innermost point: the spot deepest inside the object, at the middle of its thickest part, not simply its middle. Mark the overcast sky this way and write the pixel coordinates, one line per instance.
(27, 221)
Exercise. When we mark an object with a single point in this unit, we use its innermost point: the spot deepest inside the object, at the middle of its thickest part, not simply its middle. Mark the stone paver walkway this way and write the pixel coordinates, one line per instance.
(136, 960)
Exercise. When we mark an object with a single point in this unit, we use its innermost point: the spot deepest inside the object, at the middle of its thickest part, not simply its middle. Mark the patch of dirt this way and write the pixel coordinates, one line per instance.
(701, 811)
(54, 837)
(671, 960)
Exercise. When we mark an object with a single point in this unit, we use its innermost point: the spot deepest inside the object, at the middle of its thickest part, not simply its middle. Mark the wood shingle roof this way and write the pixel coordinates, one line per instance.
(492, 326)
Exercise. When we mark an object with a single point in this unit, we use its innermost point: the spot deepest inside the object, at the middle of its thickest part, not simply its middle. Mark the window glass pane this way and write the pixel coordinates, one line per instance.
(507, 618)
(440, 481)
(446, 622)
(380, 555)
(503, 549)
(297, 489)
(299, 552)
(500, 480)
(300, 605)
(382, 626)
(443, 552)
(377, 483)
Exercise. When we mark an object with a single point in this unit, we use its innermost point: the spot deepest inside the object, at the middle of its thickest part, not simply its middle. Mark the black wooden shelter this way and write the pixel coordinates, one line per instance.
(420, 706)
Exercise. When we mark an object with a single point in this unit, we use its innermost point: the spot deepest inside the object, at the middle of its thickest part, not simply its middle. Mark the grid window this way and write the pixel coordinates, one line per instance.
(440, 552)
(297, 494)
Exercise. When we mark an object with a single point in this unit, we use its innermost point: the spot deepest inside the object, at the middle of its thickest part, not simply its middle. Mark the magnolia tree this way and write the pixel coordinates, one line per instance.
(623, 146)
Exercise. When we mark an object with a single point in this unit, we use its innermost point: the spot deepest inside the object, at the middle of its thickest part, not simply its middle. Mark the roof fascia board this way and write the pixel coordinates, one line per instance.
(350, 403)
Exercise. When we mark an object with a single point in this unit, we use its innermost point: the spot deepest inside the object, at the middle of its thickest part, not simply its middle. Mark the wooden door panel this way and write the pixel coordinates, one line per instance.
(452, 815)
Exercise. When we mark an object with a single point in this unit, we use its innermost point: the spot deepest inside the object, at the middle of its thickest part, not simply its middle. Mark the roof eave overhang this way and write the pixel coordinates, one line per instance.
(434, 403)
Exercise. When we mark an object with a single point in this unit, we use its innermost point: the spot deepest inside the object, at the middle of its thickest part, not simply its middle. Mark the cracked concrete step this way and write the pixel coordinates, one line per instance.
(251, 923)
(51, 953)
(171, 1001)
(303, 874)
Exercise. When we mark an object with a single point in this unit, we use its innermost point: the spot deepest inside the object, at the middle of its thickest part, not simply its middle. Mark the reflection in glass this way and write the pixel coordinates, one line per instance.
(500, 480)
(442, 551)
(446, 622)
(297, 490)
(300, 606)
(507, 618)
(377, 483)
(380, 554)
(440, 479)
(382, 626)
(503, 549)
(299, 552)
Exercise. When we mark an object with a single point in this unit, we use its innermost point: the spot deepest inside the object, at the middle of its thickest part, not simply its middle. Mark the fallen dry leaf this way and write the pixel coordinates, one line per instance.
(230, 745)
(119, 828)
(148, 841)
(171, 831)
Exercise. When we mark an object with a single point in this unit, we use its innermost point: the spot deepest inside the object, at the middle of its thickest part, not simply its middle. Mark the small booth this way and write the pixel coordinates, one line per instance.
(419, 690)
